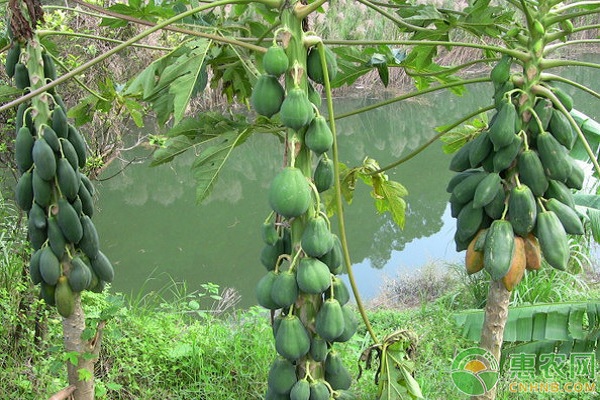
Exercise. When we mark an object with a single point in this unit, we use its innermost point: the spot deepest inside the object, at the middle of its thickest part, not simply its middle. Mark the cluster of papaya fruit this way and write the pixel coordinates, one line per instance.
(512, 196)
(57, 196)
(301, 254)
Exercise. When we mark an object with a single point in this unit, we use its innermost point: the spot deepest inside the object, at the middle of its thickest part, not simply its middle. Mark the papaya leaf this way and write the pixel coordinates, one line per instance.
(210, 162)
(212, 137)
(170, 82)
(388, 197)
(588, 205)
(395, 380)
(591, 132)
(352, 64)
(9, 92)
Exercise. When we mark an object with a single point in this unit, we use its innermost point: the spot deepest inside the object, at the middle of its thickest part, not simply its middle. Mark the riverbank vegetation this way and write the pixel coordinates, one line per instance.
(169, 344)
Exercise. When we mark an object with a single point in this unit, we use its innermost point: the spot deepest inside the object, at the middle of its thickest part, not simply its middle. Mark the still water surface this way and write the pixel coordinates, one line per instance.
(150, 225)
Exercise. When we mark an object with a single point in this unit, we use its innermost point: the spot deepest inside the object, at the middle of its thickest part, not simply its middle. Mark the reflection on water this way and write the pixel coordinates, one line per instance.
(149, 223)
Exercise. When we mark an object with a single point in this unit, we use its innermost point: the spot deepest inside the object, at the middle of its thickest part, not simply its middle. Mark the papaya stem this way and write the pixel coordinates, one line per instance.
(558, 78)
(538, 121)
(338, 196)
(555, 63)
(413, 94)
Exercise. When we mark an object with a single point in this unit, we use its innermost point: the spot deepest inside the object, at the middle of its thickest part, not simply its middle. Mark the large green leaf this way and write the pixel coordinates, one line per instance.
(212, 137)
(591, 131)
(562, 321)
(170, 82)
(588, 206)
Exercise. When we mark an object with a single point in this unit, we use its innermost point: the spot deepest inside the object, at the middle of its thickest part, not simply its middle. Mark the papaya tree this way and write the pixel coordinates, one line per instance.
(511, 195)
(57, 196)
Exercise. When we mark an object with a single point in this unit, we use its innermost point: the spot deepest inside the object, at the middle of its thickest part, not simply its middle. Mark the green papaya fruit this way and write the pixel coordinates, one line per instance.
(267, 96)
(103, 268)
(314, 96)
(300, 390)
(336, 373)
(458, 178)
(316, 239)
(333, 258)
(51, 138)
(565, 99)
(87, 202)
(49, 266)
(318, 348)
(47, 293)
(34, 267)
(64, 297)
(68, 152)
(56, 239)
(37, 236)
(80, 275)
(12, 58)
(501, 71)
(270, 254)
(350, 324)
(318, 136)
(90, 242)
(554, 157)
(543, 110)
(275, 61)
(499, 245)
(68, 179)
(319, 390)
(284, 291)
(24, 191)
(480, 149)
(315, 69)
(469, 221)
(296, 110)
(504, 157)
(263, 291)
(282, 376)
(292, 340)
(44, 159)
(312, 276)
(495, 209)
(568, 217)
(464, 192)
(323, 177)
(69, 222)
(42, 190)
(329, 323)
(561, 129)
(59, 123)
(340, 291)
(289, 193)
(486, 190)
(502, 131)
(49, 67)
(522, 210)
(553, 239)
(577, 175)
(559, 191)
(79, 145)
(269, 233)
(460, 160)
(88, 184)
(531, 172)
(23, 147)
(21, 76)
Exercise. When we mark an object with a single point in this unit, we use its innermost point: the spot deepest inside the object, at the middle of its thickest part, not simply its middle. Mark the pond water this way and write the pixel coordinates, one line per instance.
(155, 233)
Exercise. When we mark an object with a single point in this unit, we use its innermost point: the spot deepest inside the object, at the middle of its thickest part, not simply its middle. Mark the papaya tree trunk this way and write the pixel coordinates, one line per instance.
(81, 375)
(496, 314)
